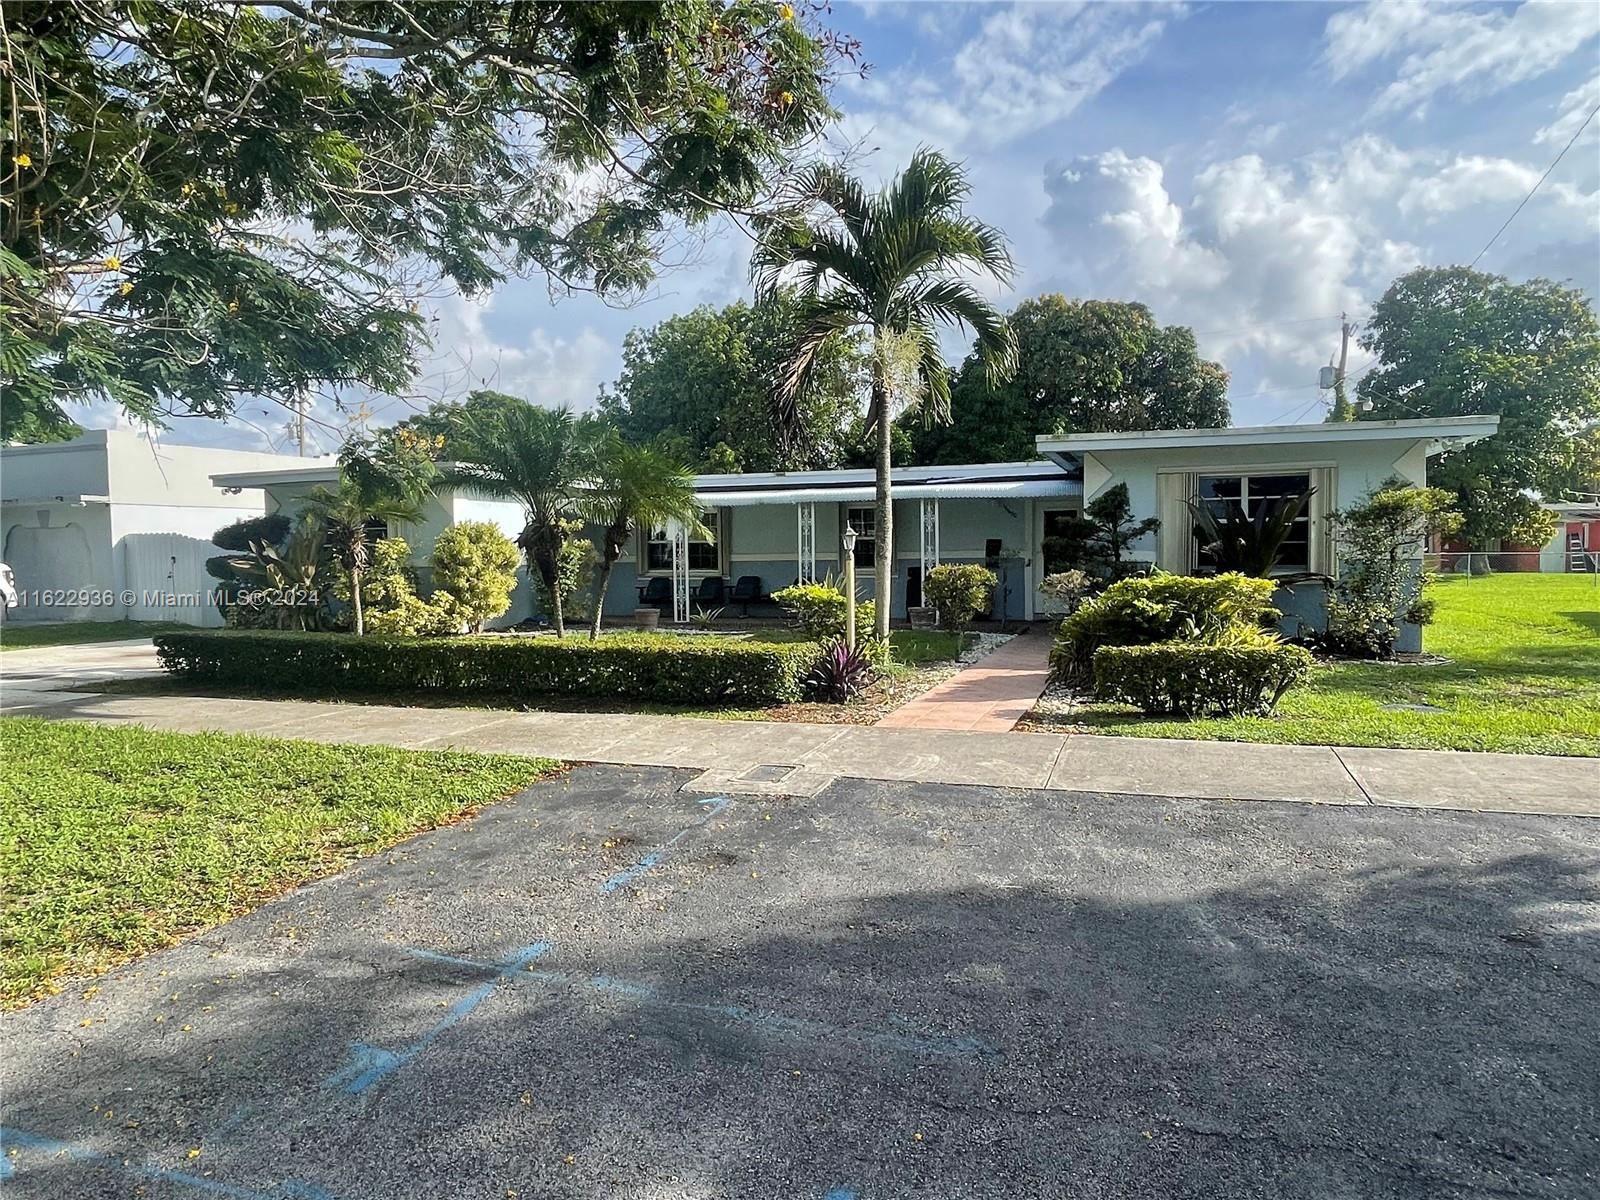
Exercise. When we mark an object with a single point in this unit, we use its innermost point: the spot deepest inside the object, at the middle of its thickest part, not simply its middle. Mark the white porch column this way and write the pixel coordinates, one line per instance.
(678, 535)
(806, 542)
(930, 536)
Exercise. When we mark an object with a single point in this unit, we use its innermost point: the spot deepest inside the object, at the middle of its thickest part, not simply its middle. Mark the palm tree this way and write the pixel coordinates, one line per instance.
(539, 457)
(347, 513)
(892, 263)
(634, 489)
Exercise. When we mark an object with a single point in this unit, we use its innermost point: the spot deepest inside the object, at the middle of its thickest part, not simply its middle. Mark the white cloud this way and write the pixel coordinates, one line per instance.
(545, 368)
(1260, 258)
(1469, 51)
(1572, 110)
(1027, 67)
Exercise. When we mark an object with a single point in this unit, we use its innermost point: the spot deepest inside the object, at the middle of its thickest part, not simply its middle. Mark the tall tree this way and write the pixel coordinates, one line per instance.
(539, 457)
(1452, 341)
(894, 264)
(700, 382)
(632, 490)
(1083, 366)
(381, 479)
(204, 199)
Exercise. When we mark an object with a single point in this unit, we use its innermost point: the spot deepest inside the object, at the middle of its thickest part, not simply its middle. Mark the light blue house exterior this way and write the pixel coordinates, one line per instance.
(783, 527)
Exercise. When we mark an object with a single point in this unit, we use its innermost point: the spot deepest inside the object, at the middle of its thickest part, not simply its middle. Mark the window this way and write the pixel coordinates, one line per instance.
(704, 558)
(1062, 543)
(1224, 494)
(864, 520)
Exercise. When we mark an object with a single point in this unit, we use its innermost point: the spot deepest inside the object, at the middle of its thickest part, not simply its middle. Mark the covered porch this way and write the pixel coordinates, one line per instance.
(773, 530)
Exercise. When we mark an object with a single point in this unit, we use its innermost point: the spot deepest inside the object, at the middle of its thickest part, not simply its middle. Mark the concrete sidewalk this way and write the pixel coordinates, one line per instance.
(793, 759)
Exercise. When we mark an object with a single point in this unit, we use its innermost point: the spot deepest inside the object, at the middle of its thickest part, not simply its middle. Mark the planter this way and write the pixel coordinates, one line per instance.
(923, 618)
(647, 618)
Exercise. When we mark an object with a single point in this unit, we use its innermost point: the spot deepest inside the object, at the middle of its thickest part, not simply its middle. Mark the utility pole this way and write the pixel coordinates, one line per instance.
(300, 422)
(1342, 409)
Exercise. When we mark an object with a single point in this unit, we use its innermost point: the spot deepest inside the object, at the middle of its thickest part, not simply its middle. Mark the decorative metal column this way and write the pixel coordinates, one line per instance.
(678, 535)
(930, 536)
(806, 543)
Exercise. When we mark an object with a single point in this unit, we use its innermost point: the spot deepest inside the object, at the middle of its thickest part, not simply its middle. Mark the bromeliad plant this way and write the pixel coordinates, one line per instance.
(1248, 544)
(840, 674)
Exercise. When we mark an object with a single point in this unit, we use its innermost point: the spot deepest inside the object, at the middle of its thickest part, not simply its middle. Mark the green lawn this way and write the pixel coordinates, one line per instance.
(1524, 677)
(115, 841)
(73, 633)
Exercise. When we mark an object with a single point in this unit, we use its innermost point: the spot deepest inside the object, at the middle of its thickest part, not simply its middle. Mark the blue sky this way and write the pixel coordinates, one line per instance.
(1247, 169)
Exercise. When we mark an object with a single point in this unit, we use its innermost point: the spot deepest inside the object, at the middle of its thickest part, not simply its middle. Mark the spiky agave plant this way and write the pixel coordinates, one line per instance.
(1249, 544)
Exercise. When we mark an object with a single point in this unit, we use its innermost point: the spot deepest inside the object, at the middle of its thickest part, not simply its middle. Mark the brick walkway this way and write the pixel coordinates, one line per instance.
(990, 696)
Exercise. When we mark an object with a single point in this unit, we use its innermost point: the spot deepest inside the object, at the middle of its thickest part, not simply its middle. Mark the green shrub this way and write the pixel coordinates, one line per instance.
(477, 565)
(1159, 608)
(819, 609)
(960, 592)
(662, 667)
(271, 530)
(412, 616)
(1197, 679)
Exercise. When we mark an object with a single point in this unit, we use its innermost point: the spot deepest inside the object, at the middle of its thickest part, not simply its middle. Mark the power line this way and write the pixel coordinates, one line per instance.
(1536, 186)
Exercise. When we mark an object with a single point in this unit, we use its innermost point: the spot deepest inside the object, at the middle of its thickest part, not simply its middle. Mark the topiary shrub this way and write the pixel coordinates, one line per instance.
(660, 667)
(477, 565)
(270, 530)
(960, 592)
(819, 609)
(1196, 679)
(1159, 608)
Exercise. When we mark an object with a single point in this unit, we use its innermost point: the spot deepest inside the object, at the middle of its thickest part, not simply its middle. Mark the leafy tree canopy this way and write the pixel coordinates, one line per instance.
(700, 384)
(205, 200)
(447, 422)
(1456, 342)
(1083, 366)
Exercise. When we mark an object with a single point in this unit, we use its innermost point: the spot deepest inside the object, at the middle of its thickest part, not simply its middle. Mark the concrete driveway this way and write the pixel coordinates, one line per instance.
(609, 987)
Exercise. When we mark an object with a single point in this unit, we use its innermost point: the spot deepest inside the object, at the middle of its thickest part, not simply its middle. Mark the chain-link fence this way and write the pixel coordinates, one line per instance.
(1470, 563)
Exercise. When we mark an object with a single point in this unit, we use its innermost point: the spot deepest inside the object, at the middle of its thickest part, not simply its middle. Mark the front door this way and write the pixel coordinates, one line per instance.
(1049, 523)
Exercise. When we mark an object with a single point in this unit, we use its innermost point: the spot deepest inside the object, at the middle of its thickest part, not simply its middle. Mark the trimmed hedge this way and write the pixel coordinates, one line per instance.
(1195, 679)
(660, 667)
(1159, 608)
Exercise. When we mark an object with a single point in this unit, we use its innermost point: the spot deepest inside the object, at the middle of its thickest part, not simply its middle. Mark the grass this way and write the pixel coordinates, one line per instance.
(1523, 677)
(76, 633)
(115, 841)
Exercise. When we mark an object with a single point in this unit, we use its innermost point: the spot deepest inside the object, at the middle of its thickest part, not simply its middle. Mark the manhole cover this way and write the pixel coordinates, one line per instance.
(767, 773)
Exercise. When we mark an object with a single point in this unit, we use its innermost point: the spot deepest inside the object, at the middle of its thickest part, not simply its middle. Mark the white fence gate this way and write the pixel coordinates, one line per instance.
(165, 576)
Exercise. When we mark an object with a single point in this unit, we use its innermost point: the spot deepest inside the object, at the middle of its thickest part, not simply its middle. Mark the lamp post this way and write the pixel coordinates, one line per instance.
(849, 587)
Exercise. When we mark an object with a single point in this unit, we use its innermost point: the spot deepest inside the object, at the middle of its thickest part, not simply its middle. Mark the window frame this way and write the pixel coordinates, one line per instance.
(713, 519)
(1243, 475)
(866, 544)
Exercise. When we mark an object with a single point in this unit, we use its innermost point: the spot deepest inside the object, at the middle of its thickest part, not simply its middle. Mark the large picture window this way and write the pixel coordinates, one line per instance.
(1225, 494)
(704, 557)
(863, 518)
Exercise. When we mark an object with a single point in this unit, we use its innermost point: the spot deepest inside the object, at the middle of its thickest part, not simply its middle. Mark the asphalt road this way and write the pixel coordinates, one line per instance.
(611, 988)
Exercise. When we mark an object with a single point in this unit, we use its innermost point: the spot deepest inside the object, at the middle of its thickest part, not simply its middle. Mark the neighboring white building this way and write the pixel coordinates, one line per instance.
(113, 525)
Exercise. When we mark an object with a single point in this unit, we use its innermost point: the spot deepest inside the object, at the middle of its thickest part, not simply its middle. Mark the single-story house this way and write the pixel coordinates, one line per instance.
(114, 525)
(1573, 547)
(780, 527)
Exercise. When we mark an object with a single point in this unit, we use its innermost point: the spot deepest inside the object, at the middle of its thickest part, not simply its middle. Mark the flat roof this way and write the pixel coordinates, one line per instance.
(1419, 429)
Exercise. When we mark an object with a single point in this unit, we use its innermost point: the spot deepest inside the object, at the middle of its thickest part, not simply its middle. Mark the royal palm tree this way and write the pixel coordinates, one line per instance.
(539, 457)
(896, 264)
(348, 513)
(634, 489)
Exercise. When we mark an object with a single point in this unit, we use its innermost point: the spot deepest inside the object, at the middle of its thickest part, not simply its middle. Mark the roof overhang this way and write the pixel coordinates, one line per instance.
(1439, 432)
(864, 493)
(278, 476)
(74, 500)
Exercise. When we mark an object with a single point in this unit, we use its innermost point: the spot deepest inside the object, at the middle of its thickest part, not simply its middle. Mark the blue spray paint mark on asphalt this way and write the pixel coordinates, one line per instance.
(842, 1194)
(714, 806)
(370, 1065)
(777, 1024)
(199, 1183)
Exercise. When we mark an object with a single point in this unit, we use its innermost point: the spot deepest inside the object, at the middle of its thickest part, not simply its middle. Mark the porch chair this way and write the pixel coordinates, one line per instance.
(712, 592)
(747, 591)
(657, 591)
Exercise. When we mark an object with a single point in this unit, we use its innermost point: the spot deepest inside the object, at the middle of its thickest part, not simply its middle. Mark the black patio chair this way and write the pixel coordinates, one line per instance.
(713, 591)
(657, 591)
(747, 591)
